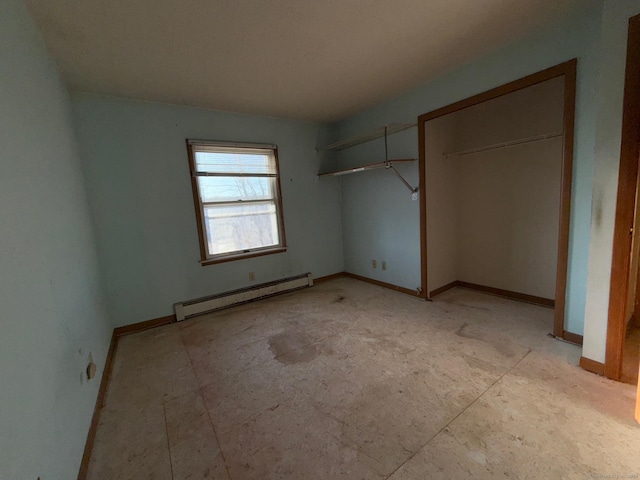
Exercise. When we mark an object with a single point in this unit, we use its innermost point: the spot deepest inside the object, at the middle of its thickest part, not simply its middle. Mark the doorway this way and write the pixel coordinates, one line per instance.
(549, 291)
(621, 360)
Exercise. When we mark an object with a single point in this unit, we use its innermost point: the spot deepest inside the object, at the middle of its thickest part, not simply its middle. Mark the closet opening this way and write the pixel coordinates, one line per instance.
(623, 327)
(495, 172)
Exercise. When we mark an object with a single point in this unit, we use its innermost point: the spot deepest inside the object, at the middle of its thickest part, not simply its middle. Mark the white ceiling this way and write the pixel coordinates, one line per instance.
(319, 60)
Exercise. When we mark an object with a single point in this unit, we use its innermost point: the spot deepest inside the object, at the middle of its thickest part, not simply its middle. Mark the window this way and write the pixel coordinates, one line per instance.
(236, 191)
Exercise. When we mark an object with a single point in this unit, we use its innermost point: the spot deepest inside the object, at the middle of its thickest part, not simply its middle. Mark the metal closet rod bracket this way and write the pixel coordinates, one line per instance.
(388, 165)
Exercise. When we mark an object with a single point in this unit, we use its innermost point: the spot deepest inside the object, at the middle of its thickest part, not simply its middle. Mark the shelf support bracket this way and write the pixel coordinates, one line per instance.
(389, 166)
(406, 184)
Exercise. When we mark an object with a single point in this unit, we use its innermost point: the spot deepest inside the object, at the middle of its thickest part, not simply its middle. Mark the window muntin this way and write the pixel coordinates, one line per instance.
(237, 196)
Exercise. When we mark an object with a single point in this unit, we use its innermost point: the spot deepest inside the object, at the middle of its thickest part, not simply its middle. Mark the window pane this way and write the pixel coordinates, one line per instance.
(232, 228)
(230, 189)
(219, 162)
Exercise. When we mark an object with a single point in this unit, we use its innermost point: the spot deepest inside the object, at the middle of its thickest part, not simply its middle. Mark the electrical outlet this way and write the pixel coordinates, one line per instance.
(384, 265)
(252, 276)
(374, 264)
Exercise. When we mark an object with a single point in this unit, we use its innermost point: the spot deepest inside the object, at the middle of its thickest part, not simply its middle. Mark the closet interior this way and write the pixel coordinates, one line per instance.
(493, 178)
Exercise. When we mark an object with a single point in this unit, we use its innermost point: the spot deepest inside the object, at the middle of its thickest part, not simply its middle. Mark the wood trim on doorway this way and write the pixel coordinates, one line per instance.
(424, 293)
(625, 205)
(592, 366)
(568, 70)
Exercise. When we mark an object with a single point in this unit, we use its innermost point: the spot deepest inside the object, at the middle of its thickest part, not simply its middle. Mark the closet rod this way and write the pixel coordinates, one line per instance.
(512, 143)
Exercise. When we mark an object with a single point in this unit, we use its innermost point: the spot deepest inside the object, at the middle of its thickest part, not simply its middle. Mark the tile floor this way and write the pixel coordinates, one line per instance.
(349, 380)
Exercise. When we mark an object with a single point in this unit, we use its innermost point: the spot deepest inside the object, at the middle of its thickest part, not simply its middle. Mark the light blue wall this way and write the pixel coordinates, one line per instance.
(610, 92)
(380, 220)
(52, 311)
(137, 176)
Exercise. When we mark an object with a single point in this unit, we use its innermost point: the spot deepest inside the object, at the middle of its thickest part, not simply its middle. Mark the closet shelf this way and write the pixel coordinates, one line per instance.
(367, 137)
(387, 164)
(371, 166)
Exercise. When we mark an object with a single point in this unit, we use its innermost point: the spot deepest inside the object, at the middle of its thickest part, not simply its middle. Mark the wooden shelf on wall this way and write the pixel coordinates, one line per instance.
(371, 166)
(367, 137)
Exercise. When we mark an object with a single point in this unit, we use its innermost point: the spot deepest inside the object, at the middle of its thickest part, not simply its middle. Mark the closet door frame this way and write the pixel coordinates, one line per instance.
(568, 71)
(625, 208)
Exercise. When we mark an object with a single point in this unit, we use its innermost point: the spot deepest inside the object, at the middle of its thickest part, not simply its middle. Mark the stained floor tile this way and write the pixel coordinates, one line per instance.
(543, 419)
(348, 380)
(195, 453)
(140, 379)
(293, 440)
(131, 443)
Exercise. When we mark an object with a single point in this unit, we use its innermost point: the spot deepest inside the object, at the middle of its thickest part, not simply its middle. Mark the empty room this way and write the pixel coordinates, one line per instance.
(319, 240)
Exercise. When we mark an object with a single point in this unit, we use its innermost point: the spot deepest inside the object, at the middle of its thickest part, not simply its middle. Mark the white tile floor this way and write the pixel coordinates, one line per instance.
(349, 380)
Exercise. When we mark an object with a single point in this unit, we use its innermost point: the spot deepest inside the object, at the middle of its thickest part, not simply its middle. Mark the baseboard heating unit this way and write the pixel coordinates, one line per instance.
(199, 306)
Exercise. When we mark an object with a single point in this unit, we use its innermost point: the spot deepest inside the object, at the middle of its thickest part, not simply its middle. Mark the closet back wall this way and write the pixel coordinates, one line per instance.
(508, 221)
(503, 204)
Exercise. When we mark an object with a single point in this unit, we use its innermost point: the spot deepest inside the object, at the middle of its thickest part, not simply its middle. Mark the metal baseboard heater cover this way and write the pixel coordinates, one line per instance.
(199, 306)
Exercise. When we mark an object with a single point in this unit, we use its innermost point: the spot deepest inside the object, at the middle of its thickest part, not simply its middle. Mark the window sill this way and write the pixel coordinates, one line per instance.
(242, 256)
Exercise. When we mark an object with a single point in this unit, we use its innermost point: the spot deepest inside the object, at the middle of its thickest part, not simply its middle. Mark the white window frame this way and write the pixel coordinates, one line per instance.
(207, 258)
